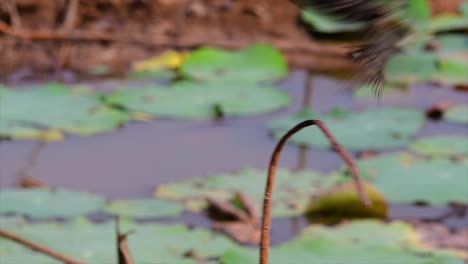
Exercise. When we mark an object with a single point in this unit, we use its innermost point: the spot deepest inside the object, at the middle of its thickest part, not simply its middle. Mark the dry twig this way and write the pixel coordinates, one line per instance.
(38, 247)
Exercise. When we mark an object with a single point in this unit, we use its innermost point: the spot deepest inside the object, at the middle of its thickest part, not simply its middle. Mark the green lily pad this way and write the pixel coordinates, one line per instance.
(432, 182)
(143, 208)
(441, 145)
(452, 43)
(411, 68)
(95, 243)
(457, 114)
(401, 177)
(45, 203)
(419, 12)
(28, 113)
(447, 22)
(452, 71)
(324, 23)
(260, 62)
(355, 243)
(371, 129)
(190, 100)
(388, 90)
(291, 195)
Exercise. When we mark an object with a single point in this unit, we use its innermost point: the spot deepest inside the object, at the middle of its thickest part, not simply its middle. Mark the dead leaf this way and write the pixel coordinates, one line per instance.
(237, 218)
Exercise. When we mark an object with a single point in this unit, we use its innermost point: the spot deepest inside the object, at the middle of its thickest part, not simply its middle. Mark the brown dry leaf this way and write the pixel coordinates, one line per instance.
(440, 236)
(237, 218)
(31, 182)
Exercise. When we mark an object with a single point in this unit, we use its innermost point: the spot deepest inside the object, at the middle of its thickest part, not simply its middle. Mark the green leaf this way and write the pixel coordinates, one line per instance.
(370, 129)
(441, 145)
(453, 71)
(436, 183)
(404, 178)
(95, 243)
(190, 100)
(329, 24)
(354, 243)
(291, 195)
(452, 43)
(144, 208)
(447, 22)
(411, 68)
(388, 90)
(419, 12)
(260, 62)
(28, 113)
(45, 203)
(457, 114)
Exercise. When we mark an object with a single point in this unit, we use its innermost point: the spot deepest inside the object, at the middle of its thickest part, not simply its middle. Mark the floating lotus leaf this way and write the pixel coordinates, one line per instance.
(291, 196)
(441, 145)
(447, 22)
(95, 243)
(401, 177)
(371, 129)
(258, 62)
(457, 114)
(144, 208)
(355, 243)
(324, 23)
(35, 112)
(453, 71)
(45, 203)
(411, 67)
(452, 43)
(388, 90)
(191, 100)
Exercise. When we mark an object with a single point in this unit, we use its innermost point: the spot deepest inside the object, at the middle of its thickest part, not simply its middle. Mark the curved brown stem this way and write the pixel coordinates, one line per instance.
(266, 217)
(38, 247)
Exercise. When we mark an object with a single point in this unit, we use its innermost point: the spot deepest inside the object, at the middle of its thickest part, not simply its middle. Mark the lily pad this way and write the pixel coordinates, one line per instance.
(355, 243)
(388, 90)
(407, 68)
(457, 114)
(447, 22)
(432, 182)
(291, 195)
(452, 71)
(28, 113)
(401, 177)
(45, 203)
(95, 243)
(367, 130)
(190, 100)
(452, 43)
(324, 23)
(260, 62)
(144, 208)
(441, 145)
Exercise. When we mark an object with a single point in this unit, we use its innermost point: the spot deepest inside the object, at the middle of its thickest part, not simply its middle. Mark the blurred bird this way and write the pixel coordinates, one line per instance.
(385, 31)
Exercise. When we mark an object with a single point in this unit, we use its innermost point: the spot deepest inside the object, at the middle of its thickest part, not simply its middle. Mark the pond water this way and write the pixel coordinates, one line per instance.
(130, 162)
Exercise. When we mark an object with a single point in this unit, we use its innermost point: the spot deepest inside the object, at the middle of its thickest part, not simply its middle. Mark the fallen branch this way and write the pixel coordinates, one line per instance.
(322, 49)
(38, 247)
(266, 217)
